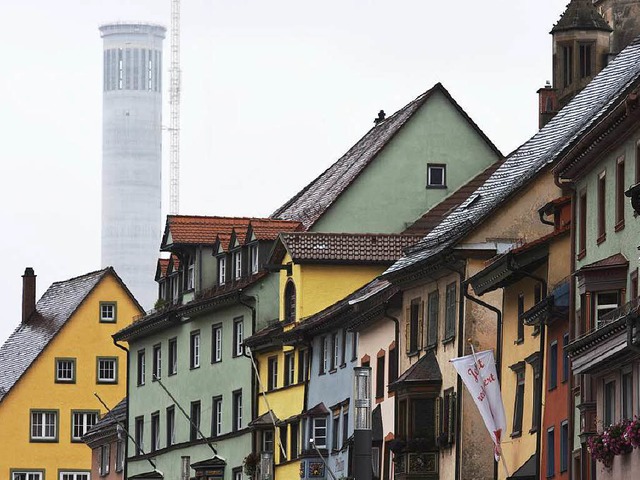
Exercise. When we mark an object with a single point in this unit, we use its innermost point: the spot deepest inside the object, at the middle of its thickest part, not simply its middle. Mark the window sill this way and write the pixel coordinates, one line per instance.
(601, 239)
(518, 341)
(448, 339)
(436, 187)
(533, 430)
(582, 254)
(516, 435)
(413, 353)
(194, 368)
(43, 440)
(551, 389)
(619, 226)
(106, 382)
(333, 370)
(343, 365)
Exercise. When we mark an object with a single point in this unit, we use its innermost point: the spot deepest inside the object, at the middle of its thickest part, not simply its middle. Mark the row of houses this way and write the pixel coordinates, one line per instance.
(421, 243)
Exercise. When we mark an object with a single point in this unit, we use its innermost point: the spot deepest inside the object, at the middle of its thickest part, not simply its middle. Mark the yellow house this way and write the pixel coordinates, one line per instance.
(60, 354)
(316, 271)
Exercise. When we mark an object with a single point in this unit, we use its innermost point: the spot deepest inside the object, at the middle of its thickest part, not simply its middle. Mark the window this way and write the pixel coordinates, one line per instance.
(609, 403)
(450, 313)
(343, 347)
(582, 232)
(157, 362)
(222, 270)
(119, 455)
(216, 343)
(565, 358)
(303, 365)
(319, 433)
(380, 376)
(433, 302)
(108, 312)
(107, 370)
(335, 430)
(518, 368)
(237, 410)
(605, 303)
(65, 370)
(393, 363)
(520, 338)
(141, 367)
(253, 253)
(620, 194)
(44, 425)
(585, 61)
(155, 431)
(194, 349)
(290, 302)
(415, 319)
(551, 450)
(336, 351)
(293, 427)
(194, 420)
(534, 361)
(81, 422)
(104, 455)
(237, 264)
(173, 356)
(267, 440)
(567, 65)
(354, 346)
(216, 417)
(74, 476)
(237, 473)
(191, 277)
(324, 355)
(375, 461)
(27, 475)
(564, 446)
(553, 365)
(627, 395)
(283, 443)
(171, 425)
(272, 367)
(289, 369)
(139, 435)
(602, 209)
(345, 424)
(238, 336)
(447, 418)
(436, 175)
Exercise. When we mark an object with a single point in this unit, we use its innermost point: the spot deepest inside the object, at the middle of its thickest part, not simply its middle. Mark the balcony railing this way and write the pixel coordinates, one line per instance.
(629, 308)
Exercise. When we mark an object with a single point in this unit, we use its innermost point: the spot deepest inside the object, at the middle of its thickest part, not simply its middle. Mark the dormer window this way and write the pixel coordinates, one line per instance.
(290, 302)
(436, 175)
(191, 277)
(175, 284)
(253, 253)
(237, 264)
(222, 270)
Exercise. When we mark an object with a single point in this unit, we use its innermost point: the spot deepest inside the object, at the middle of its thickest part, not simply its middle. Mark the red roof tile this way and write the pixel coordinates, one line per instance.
(267, 229)
(163, 264)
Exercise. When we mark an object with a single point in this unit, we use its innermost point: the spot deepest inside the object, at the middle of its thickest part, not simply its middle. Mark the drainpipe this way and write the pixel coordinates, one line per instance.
(126, 443)
(396, 322)
(254, 394)
(498, 312)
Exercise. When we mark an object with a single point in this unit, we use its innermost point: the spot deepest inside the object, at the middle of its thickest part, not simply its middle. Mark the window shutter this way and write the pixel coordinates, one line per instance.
(420, 326)
(452, 417)
(407, 329)
(438, 419)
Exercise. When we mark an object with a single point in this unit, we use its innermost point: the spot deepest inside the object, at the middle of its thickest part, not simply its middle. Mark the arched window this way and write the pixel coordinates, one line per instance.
(289, 302)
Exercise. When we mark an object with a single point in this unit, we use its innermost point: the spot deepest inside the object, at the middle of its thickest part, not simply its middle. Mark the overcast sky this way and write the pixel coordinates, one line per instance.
(273, 93)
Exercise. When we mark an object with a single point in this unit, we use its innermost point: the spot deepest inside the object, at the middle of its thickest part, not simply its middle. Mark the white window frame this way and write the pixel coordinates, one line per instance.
(444, 173)
(195, 349)
(238, 420)
(157, 361)
(605, 306)
(87, 420)
(217, 343)
(254, 256)
(237, 264)
(191, 274)
(336, 351)
(42, 423)
(173, 355)
(217, 408)
(238, 333)
(316, 428)
(119, 456)
(72, 370)
(142, 367)
(103, 467)
(24, 475)
(155, 431)
(222, 270)
(108, 312)
(74, 475)
(102, 379)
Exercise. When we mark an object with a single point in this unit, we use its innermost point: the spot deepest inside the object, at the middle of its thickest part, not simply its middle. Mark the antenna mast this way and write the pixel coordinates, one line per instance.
(174, 101)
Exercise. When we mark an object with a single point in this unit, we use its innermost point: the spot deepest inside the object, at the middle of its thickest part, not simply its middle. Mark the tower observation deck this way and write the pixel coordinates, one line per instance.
(132, 153)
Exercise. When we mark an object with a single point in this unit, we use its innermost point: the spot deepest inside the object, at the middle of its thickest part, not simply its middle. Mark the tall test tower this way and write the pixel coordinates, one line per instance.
(132, 153)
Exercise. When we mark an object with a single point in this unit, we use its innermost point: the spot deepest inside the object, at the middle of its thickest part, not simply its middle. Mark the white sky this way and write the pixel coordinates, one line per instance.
(273, 93)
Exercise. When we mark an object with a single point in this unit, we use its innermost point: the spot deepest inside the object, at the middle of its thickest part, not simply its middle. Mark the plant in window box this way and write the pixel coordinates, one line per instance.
(250, 464)
(419, 444)
(160, 304)
(615, 436)
(632, 434)
(600, 450)
(397, 445)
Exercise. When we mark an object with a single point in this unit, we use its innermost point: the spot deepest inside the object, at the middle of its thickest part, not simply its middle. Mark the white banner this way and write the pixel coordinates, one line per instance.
(482, 382)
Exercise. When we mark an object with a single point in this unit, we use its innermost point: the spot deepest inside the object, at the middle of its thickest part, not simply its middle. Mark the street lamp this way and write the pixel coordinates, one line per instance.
(362, 435)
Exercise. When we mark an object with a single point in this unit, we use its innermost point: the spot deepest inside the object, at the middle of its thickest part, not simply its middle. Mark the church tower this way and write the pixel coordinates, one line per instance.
(624, 17)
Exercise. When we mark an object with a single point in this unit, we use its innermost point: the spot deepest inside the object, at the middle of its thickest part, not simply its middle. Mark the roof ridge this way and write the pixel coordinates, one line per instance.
(77, 277)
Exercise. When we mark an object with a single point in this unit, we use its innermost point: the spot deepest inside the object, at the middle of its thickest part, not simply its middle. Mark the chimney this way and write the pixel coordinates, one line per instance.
(547, 104)
(381, 117)
(28, 293)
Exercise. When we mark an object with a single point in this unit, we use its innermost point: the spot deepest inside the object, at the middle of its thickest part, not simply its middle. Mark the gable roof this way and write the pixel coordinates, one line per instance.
(107, 425)
(581, 15)
(426, 370)
(542, 150)
(269, 229)
(308, 205)
(161, 268)
(53, 310)
(361, 248)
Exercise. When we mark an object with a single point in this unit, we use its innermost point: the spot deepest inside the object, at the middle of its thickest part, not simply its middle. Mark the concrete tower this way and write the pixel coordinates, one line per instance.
(132, 153)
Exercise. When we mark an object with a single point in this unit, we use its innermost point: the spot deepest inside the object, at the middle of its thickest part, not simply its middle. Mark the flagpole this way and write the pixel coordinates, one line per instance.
(475, 361)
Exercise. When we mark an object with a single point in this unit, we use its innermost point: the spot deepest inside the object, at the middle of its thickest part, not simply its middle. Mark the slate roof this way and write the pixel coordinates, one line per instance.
(581, 15)
(544, 148)
(425, 370)
(311, 247)
(54, 308)
(315, 199)
(107, 425)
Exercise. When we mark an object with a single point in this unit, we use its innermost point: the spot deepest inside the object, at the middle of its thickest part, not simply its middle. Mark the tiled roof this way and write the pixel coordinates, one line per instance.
(544, 148)
(311, 247)
(581, 15)
(161, 269)
(316, 198)
(264, 335)
(425, 370)
(616, 260)
(174, 264)
(435, 215)
(53, 310)
(107, 424)
(270, 229)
